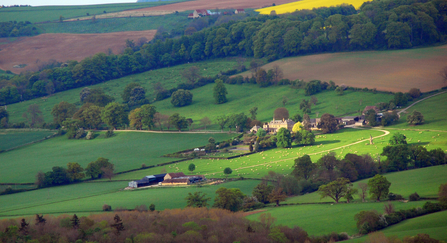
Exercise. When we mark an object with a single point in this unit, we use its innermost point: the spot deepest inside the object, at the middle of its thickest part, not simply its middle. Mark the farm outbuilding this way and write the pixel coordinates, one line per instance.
(147, 181)
(184, 180)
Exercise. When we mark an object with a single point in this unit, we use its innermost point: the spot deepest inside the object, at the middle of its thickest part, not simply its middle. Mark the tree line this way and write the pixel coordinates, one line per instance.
(16, 29)
(377, 26)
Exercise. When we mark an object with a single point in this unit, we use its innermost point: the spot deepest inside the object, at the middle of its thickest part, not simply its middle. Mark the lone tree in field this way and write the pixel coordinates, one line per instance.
(191, 167)
(379, 187)
(197, 200)
(227, 171)
(284, 139)
(220, 92)
(253, 112)
(415, 118)
(336, 189)
(181, 98)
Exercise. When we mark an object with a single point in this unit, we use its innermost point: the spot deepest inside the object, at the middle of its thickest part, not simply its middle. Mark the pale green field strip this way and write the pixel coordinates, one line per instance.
(433, 224)
(12, 139)
(318, 219)
(126, 150)
(90, 197)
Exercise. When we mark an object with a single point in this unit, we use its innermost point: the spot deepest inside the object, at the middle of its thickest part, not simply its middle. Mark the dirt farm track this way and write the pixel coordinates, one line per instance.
(62, 47)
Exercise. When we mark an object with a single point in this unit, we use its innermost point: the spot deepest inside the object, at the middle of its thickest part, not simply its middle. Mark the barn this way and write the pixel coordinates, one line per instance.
(147, 181)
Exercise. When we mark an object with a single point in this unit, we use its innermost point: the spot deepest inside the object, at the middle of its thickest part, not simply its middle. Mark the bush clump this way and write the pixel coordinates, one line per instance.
(106, 208)
(414, 197)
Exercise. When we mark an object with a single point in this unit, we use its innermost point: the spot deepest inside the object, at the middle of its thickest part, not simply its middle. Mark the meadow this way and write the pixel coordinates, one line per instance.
(434, 111)
(168, 77)
(126, 150)
(52, 13)
(168, 22)
(393, 70)
(13, 138)
(433, 224)
(308, 4)
(90, 197)
(282, 160)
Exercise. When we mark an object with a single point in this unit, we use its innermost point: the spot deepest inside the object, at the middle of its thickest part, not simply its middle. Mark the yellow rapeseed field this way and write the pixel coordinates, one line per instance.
(308, 4)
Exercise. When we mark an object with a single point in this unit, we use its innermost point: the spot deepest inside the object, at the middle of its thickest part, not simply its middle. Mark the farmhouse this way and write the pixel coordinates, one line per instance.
(239, 11)
(181, 179)
(350, 120)
(199, 13)
(314, 123)
(147, 181)
(275, 125)
(255, 129)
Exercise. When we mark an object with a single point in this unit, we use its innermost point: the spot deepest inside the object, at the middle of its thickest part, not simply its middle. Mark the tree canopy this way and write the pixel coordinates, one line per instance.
(220, 92)
(181, 98)
(379, 187)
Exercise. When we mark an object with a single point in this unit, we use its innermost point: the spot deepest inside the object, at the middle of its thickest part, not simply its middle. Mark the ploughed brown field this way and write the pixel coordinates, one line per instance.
(213, 4)
(33, 51)
(395, 71)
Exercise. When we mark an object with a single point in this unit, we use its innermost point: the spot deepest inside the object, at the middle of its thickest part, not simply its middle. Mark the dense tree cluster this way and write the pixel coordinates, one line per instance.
(377, 25)
(16, 29)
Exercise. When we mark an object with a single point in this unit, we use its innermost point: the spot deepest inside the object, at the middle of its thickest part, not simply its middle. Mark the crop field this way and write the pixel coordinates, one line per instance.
(168, 77)
(395, 71)
(90, 197)
(52, 13)
(168, 21)
(35, 50)
(434, 111)
(433, 224)
(281, 160)
(308, 4)
(14, 138)
(127, 150)
(212, 5)
(318, 219)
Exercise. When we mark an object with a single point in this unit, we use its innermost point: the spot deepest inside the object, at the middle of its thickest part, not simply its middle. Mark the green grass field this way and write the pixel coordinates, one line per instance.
(52, 13)
(169, 77)
(434, 111)
(169, 22)
(11, 139)
(424, 181)
(433, 224)
(89, 197)
(127, 150)
(326, 218)
(281, 160)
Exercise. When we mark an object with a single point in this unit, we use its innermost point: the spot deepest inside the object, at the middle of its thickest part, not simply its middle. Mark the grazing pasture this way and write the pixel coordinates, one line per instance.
(127, 150)
(281, 160)
(398, 70)
(13, 138)
(433, 224)
(308, 4)
(33, 51)
(318, 219)
(168, 77)
(90, 197)
(52, 13)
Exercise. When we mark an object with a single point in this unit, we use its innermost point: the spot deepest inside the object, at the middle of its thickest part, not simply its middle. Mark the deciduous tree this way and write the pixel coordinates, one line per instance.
(222, 121)
(230, 199)
(62, 111)
(220, 92)
(114, 115)
(415, 118)
(281, 113)
(75, 171)
(303, 167)
(379, 187)
(336, 189)
(197, 200)
(253, 112)
(179, 122)
(205, 121)
(191, 74)
(328, 123)
(277, 195)
(262, 192)
(181, 98)
(284, 138)
(191, 167)
(33, 115)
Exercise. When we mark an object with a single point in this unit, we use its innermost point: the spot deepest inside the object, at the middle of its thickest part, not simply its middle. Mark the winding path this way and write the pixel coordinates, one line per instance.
(403, 110)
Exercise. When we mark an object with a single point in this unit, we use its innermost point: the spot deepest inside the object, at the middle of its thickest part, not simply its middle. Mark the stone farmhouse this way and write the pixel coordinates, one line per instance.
(275, 125)
(199, 13)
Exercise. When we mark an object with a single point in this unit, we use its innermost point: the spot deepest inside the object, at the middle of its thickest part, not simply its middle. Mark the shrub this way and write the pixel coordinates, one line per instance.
(430, 207)
(395, 197)
(106, 208)
(388, 208)
(152, 207)
(110, 133)
(414, 197)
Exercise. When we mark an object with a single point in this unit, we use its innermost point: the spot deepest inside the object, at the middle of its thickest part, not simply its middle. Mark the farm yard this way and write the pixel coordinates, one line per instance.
(398, 70)
(36, 50)
(308, 4)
